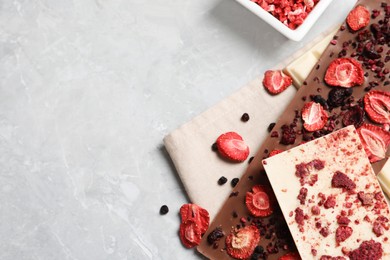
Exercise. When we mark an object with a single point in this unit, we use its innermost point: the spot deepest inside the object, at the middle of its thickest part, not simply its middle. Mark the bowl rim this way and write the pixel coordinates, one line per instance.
(296, 34)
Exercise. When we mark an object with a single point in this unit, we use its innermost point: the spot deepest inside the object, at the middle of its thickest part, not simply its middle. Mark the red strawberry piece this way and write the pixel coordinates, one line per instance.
(241, 244)
(344, 72)
(232, 146)
(314, 116)
(258, 201)
(275, 152)
(290, 256)
(377, 106)
(375, 140)
(197, 214)
(275, 81)
(190, 234)
(343, 233)
(358, 18)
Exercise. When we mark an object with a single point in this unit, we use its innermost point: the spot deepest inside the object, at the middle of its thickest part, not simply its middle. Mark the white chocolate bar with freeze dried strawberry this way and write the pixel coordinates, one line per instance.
(331, 199)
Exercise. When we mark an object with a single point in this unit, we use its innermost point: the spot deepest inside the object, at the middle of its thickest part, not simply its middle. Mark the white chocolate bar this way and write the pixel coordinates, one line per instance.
(300, 68)
(339, 151)
(384, 178)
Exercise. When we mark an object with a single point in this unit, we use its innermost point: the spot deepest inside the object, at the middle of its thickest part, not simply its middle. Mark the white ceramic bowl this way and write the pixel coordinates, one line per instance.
(296, 34)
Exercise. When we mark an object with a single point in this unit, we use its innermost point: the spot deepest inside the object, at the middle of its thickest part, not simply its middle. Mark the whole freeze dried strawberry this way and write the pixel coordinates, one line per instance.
(258, 201)
(241, 244)
(344, 72)
(358, 18)
(232, 146)
(314, 116)
(275, 81)
(290, 256)
(375, 141)
(377, 106)
(194, 212)
(190, 234)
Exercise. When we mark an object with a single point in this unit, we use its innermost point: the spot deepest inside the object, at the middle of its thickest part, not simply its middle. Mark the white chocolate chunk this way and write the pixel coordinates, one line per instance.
(384, 177)
(300, 68)
(357, 193)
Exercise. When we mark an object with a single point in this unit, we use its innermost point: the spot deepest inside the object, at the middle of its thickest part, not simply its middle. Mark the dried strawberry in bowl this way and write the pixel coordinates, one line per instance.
(291, 18)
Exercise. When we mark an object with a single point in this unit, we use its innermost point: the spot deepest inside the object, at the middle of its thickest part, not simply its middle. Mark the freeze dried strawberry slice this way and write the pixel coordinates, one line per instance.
(241, 244)
(190, 234)
(344, 72)
(258, 201)
(314, 116)
(377, 106)
(290, 256)
(375, 140)
(197, 214)
(275, 81)
(358, 18)
(232, 146)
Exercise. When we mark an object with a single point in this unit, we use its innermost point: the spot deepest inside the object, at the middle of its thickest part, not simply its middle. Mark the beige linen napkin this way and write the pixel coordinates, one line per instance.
(189, 146)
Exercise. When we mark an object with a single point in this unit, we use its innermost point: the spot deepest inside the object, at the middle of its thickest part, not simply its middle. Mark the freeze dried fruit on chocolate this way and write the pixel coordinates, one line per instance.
(258, 201)
(375, 140)
(343, 233)
(314, 116)
(368, 250)
(353, 116)
(344, 72)
(275, 81)
(240, 244)
(290, 256)
(358, 18)
(377, 106)
(232, 146)
(194, 223)
(341, 180)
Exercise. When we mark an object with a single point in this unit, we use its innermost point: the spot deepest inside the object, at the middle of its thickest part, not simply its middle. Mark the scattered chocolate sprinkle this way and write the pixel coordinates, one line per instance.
(234, 182)
(245, 117)
(164, 210)
(250, 160)
(214, 147)
(233, 194)
(271, 126)
(222, 180)
(215, 235)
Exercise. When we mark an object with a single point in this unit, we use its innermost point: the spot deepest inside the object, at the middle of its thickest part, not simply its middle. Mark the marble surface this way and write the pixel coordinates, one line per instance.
(88, 90)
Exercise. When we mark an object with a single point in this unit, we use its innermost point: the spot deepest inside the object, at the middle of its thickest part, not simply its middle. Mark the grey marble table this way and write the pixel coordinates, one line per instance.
(88, 90)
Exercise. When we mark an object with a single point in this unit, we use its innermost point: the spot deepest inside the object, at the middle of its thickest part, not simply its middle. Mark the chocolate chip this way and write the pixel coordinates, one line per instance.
(250, 159)
(222, 180)
(215, 235)
(270, 127)
(245, 117)
(164, 210)
(214, 147)
(234, 182)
